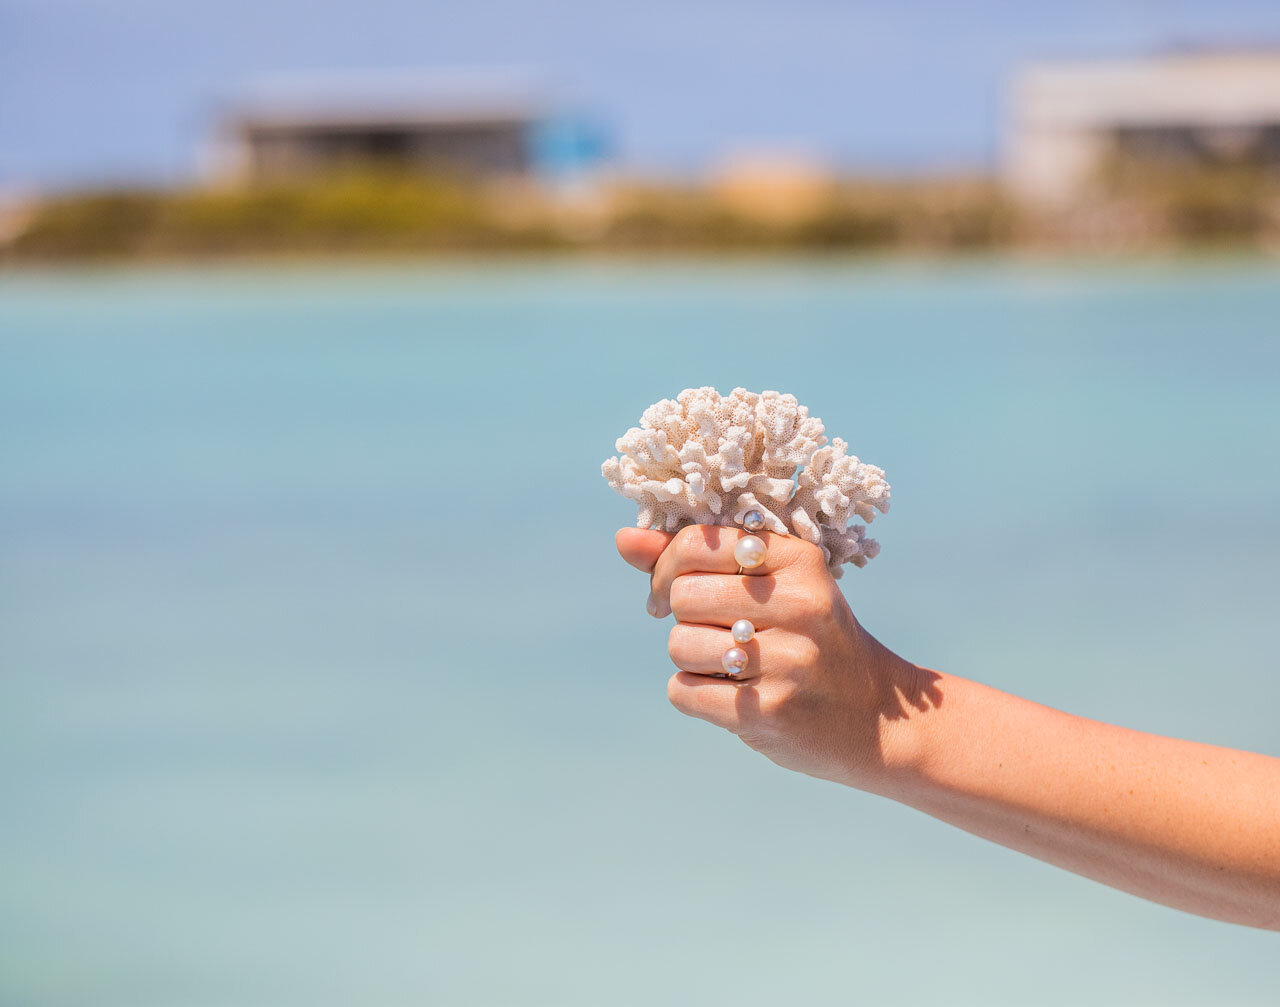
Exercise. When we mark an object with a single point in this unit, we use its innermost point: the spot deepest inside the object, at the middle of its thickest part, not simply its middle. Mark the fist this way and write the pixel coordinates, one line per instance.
(818, 695)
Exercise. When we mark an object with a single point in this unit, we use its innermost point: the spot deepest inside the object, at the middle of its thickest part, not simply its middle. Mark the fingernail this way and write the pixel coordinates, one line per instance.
(651, 606)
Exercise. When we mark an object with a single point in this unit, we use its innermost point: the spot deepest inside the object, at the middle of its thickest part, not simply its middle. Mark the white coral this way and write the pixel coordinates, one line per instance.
(704, 458)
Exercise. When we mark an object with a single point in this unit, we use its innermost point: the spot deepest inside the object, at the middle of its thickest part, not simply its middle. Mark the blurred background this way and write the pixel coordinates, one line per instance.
(320, 679)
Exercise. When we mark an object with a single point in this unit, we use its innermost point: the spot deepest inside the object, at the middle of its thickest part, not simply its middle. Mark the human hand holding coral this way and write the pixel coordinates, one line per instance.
(819, 695)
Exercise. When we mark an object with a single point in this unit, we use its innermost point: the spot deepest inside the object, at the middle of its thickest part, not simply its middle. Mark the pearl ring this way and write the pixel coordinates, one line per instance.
(750, 550)
(734, 661)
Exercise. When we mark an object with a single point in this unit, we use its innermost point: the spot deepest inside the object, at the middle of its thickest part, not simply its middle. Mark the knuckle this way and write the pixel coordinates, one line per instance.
(813, 558)
(678, 644)
(676, 597)
(677, 694)
(819, 601)
(684, 543)
(823, 603)
(812, 565)
(802, 555)
(810, 602)
(684, 590)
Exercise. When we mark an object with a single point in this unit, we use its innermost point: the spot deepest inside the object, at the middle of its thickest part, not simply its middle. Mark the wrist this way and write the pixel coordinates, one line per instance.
(908, 700)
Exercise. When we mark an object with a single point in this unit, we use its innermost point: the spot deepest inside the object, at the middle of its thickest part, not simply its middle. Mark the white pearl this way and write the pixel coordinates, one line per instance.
(743, 631)
(753, 520)
(749, 551)
(734, 661)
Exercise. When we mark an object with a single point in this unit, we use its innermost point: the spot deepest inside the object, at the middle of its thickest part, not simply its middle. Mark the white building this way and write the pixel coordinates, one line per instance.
(1066, 118)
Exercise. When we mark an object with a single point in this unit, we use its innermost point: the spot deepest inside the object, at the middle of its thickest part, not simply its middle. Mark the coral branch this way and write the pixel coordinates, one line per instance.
(704, 458)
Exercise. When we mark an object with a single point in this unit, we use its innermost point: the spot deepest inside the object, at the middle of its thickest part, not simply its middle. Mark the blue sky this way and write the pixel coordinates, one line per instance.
(94, 90)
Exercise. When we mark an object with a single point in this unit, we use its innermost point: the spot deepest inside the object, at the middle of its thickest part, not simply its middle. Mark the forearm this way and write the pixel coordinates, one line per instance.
(1193, 826)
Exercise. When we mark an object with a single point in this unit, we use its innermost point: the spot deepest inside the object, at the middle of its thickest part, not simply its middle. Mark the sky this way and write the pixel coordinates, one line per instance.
(99, 91)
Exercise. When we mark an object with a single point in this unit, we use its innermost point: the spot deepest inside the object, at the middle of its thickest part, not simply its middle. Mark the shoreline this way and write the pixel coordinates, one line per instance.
(1162, 256)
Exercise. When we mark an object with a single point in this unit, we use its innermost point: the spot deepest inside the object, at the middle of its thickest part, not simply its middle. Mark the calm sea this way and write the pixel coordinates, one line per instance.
(321, 682)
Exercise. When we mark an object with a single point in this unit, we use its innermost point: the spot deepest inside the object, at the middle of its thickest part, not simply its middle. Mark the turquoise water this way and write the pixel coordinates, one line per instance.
(322, 683)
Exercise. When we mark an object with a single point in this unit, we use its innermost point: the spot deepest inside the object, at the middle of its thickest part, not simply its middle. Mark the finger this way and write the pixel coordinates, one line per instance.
(714, 599)
(641, 547)
(714, 700)
(709, 549)
(699, 650)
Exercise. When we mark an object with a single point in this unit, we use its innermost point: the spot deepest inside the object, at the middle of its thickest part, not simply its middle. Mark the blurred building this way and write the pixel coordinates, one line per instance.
(473, 125)
(1067, 119)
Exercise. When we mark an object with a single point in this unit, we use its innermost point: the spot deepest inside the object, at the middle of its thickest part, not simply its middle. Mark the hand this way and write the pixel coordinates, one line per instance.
(819, 694)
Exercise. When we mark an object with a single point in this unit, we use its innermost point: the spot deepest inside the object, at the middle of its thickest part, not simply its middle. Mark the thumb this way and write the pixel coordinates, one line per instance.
(641, 547)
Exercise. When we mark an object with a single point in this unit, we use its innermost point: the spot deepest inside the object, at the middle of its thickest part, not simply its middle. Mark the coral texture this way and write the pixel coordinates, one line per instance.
(707, 458)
